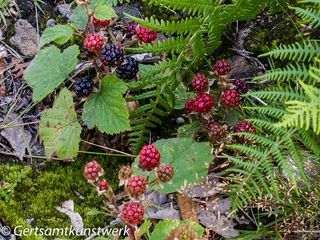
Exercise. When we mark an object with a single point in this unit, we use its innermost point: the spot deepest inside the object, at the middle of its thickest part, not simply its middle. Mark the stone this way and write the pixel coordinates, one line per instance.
(64, 10)
(25, 38)
(50, 23)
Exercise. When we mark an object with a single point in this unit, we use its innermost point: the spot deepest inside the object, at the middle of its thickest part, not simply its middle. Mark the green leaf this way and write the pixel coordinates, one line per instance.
(59, 128)
(107, 109)
(144, 228)
(163, 228)
(188, 130)
(182, 96)
(189, 159)
(104, 12)
(49, 69)
(94, 212)
(59, 34)
(79, 17)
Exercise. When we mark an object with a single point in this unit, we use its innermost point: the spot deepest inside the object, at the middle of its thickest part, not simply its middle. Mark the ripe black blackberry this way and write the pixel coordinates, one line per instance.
(111, 55)
(129, 69)
(84, 87)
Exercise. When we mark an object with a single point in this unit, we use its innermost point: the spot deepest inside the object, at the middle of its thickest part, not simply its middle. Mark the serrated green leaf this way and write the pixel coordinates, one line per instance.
(104, 12)
(188, 130)
(189, 159)
(144, 228)
(107, 109)
(79, 17)
(49, 69)
(59, 128)
(59, 34)
(163, 228)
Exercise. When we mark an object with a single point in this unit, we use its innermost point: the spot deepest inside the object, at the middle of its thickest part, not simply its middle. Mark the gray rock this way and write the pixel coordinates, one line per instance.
(1, 34)
(130, 9)
(25, 38)
(50, 23)
(64, 10)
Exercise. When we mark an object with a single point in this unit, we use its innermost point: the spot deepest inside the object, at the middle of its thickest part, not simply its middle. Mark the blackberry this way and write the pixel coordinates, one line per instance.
(83, 87)
(245, 126)
(129, 69)
(100, 23)
(136, 186)
(111, 55)
(241, 86)
(214, 130)
(93, 42)
(222, 67)
(92, 171)
(203, 103)
(165, 172)
(132, 29)
(146, 35)
(132, 213)
(231, 98)
(149, 157)
(189, 106)
(200, 82)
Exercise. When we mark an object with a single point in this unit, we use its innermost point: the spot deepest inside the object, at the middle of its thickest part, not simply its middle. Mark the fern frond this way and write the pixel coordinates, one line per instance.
(278, 94)
(305, 51)
(190, 6)
(288, 73)
(268, 110)
(183, 27)
(309, 15)
(304, 114)
(315, 2)
(169, 45)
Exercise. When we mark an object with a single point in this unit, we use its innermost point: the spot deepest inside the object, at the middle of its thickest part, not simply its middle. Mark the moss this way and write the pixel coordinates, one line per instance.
(44, 189)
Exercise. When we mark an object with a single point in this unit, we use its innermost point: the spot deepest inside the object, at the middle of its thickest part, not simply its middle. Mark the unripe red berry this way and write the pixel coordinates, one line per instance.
(136, 186)
(189, 106)
(103, 185)
(93, 42)
(132, 213)
(92, 171)
(244, 126)
(222, 67)
(231, 98)
(165, 173)
(214, 130)
(149, 157)
(100, 23)
(203, 103)
(146, 35)
(200, 82)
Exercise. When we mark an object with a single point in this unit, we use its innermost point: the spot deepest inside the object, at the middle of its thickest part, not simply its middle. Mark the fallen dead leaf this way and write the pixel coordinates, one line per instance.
(17, 136)
(186, 208)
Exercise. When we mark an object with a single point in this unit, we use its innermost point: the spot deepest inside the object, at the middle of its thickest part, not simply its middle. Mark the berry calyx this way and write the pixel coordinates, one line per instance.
(92, 171)
(203, 103)
(100, 23)
(231, 98)
(189, 106)
(93, 42)
(129, 69)
(83, 87)
(132, 213)
(111, 55)
(222, 67)
(183, 232)
(132, 29)
(103, 185)
(165, 173)
(241, 86)
(200, 82)
(149, 157)
(146, 35)
(125, 173)
(136, 186)
(244, 126)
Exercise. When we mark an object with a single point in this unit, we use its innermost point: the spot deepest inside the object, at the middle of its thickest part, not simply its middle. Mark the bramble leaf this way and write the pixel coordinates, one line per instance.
(49, 69)
(107, 109)
(104, 12)
(59, 34)
(189, 159)
(59, 128)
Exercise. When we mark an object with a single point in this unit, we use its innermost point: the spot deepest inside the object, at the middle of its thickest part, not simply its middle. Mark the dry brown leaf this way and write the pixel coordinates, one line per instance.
(186, 208)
